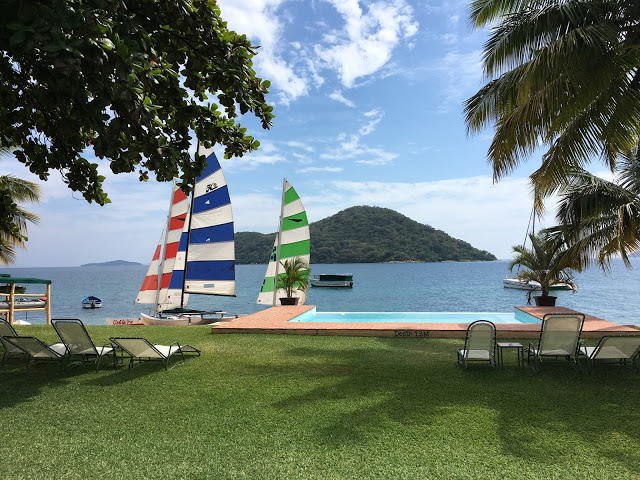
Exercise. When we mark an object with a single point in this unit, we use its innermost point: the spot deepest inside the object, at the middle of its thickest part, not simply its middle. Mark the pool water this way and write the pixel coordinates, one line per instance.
(415, 317)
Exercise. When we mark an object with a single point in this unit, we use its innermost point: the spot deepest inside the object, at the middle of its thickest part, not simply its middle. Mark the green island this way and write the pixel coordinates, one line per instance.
(301, 407)
(112, 263)
(367, 235)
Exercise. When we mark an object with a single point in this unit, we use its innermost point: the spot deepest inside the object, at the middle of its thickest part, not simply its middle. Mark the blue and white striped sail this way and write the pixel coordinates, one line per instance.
(207, 242)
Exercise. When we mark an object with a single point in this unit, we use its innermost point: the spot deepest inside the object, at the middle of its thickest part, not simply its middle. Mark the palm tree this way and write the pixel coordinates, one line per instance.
(13, 218)
(600, 219)
(295, 276)
(543, 262)
(565, 74)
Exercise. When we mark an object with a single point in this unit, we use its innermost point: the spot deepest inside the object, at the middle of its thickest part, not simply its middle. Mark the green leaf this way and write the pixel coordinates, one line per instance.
(17, 38)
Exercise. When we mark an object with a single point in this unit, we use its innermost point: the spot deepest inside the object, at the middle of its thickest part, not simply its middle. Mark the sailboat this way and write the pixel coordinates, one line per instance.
(196, 255)
(517, 283)
(292, 240)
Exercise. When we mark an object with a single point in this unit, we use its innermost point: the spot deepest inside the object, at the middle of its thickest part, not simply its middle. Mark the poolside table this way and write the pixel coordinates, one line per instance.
(519, 351)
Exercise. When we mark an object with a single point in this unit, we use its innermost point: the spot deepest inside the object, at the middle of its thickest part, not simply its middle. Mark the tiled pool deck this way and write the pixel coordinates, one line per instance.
(276, 320)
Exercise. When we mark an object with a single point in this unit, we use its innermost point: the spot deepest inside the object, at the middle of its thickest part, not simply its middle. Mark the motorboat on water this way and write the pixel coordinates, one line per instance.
(24, 303)
(332, 280)
(531, 285)
(91, 302)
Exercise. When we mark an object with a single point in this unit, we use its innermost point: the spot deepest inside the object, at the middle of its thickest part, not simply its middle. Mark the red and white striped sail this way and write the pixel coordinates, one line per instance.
(176, 229)
(149, 288)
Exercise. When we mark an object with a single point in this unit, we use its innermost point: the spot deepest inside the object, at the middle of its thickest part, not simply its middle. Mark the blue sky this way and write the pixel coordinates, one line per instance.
(368, 98)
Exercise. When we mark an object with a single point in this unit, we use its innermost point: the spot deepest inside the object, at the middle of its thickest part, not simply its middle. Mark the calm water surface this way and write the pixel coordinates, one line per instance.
(410, 287)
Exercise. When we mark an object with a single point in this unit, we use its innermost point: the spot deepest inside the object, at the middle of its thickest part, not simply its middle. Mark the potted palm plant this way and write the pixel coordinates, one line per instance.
(544, 263)
(295, 278)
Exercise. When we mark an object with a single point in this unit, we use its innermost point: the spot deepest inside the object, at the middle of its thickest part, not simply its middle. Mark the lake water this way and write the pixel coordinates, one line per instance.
(402, 287)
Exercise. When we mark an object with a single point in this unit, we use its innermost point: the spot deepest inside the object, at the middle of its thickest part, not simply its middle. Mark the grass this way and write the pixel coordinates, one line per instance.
(286, 406)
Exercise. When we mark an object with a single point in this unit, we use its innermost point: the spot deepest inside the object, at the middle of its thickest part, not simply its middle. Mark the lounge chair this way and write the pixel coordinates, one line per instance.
(479, 344)
(559, 337)
(10, 351)
(78, 342)
(613, 349)
(36, 349)
(142, 349)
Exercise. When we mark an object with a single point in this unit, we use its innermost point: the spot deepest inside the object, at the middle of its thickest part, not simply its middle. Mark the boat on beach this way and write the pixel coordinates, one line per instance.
(91, 302)
(195, 253)
(332, 280)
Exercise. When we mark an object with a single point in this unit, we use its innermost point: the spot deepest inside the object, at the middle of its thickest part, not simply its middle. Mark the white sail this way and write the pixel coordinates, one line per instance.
(292, 240)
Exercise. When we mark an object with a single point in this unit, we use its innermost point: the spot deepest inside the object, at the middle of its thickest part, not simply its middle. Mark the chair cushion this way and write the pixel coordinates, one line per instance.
(606, 353)
(559, 352)
(475, 354)
(59, 348)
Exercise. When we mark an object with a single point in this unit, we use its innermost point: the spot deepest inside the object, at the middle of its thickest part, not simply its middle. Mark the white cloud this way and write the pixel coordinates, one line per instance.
(375, 117)
(338, 97)
(302, 159)
(259, 20)
(319, 169)
(460, 76)
(350, 148)
(257, 211)
(489, 216)
(250, 161)
(297, 144)
(368, 38)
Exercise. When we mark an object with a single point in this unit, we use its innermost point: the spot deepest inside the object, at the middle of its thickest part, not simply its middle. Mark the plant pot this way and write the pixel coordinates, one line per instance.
(289, 300)
(547, 301)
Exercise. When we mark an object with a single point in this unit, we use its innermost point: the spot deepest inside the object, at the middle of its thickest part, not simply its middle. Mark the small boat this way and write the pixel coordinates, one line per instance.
(292, 241)
(332, 280)
(195, 254)
(91, 302)
(531, 285)
(24, 303)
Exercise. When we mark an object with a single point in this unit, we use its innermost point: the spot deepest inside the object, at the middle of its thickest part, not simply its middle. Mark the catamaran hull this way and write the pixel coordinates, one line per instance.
(181, 320)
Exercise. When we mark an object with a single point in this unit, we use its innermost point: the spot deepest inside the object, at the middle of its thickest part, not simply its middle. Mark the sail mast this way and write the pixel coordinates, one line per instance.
(186, 250)
(279, 240)
(162, 254)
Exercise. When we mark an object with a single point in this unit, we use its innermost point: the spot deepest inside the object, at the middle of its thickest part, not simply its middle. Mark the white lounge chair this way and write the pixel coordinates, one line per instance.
(613, 349)
(36, 349)
(559, 337)
(78, 342)
(143, 350)
(10, 350)
(479, 344)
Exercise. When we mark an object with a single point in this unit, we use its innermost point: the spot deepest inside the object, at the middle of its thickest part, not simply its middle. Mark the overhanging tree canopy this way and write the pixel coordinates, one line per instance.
(129, 79)
(562, 73)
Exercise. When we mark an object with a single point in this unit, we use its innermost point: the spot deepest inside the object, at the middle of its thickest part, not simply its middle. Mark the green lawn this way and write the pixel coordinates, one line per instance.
(287, 406)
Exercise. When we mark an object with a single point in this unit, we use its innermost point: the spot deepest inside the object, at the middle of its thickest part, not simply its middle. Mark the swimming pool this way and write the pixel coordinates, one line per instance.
(415, 317)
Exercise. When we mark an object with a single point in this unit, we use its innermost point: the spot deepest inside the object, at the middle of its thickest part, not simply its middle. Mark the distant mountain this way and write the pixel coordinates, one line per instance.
(367, 235)
(113, 263)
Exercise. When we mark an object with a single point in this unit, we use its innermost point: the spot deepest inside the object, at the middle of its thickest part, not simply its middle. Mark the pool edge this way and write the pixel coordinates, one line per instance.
(275, 320)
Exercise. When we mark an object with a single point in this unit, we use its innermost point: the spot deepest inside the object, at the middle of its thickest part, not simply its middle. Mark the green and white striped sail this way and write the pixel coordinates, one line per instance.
(293, 239)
